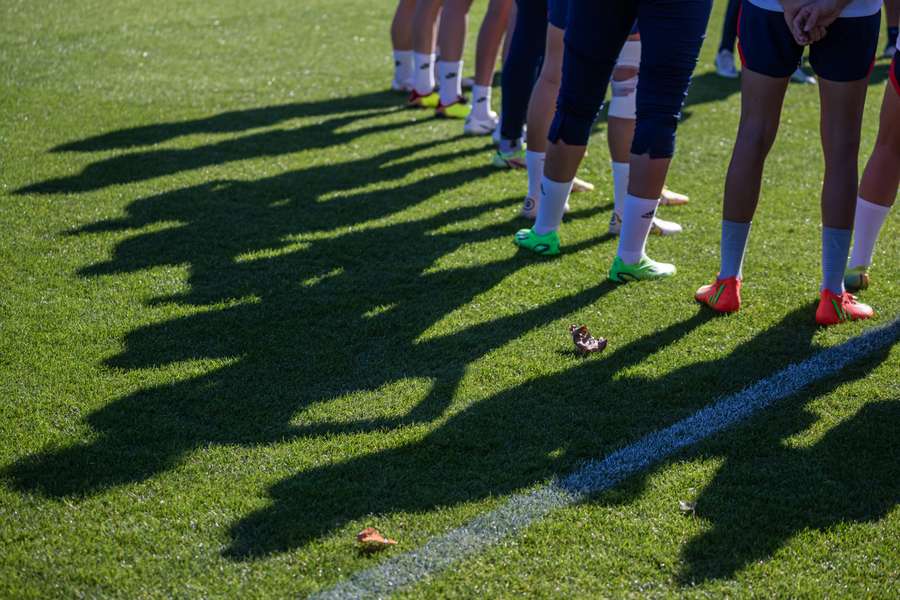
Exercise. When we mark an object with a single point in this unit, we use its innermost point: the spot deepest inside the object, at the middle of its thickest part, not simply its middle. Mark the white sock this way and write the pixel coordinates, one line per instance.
(481, 101)
(866, 227)
(621, 173)
(404, 67)
(554, 195)
(535, 163)
(424, 76)
(637, 217)
(450, 77)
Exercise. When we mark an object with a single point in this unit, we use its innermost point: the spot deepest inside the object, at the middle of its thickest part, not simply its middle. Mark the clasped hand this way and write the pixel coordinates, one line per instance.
(809, 19)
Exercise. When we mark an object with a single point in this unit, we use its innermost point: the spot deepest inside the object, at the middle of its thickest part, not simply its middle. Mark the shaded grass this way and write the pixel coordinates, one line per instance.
(249, 307)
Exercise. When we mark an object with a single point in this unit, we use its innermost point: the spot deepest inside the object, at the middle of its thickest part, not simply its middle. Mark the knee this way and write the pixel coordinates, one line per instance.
(755, 137)
(654, 135)
(623, 103)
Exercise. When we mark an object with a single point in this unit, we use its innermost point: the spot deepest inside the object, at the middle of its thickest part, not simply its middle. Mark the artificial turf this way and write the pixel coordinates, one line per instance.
(250, 306)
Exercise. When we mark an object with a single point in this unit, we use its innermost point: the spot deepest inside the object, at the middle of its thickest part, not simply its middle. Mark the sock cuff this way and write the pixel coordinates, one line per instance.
(871, 206)
(836, 231)
(736, 225)
(549, 185)
(645, 203)
(403, 53)
(535, 154)
(620, 167)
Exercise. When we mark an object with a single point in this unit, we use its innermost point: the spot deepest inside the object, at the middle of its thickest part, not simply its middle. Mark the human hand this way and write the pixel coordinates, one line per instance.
(804, 29)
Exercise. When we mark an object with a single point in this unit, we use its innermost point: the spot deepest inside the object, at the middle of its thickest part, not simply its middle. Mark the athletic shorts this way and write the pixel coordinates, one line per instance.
(767, 47)
(895, 72)
(558, 13)
(672, 30)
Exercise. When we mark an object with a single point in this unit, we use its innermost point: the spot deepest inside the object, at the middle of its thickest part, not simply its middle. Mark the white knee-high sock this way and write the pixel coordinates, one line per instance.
(450, 76)
(424, 76)
(867, 225)
(637, 217)
(554, 195)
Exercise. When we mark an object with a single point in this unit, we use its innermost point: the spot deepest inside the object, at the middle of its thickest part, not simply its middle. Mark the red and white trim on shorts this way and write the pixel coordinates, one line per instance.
(740, 35)
(895, 66)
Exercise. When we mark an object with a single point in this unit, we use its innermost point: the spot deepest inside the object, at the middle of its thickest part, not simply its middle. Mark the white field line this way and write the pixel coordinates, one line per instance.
(521, 510)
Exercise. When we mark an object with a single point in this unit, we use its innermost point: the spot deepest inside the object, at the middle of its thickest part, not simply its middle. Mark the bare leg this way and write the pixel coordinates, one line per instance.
(424, 25)
(841, 122)
(892, 12)
(761, 101)
(402, 25)
(452, 33)
(510, 27)
(490, 35)
(881, 178)
(543, 97)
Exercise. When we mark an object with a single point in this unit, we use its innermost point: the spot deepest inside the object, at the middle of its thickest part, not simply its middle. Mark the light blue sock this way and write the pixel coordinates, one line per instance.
(835, 249)
(734, 244)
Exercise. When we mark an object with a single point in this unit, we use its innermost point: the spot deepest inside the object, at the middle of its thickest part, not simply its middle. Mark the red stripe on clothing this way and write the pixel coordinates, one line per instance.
(740, 49)
(894, 67)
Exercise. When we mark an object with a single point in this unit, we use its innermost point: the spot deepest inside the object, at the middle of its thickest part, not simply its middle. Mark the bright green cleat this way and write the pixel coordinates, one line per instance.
(545, 245)
(509, 160)
(857, 278)
(643, 270)
(458, 109)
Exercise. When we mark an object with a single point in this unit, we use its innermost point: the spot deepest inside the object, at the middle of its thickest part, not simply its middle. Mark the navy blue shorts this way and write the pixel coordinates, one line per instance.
(558, 13)
(672, 32)
(767, 47)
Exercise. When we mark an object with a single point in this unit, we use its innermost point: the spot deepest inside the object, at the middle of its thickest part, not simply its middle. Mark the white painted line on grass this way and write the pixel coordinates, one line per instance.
(522, 510)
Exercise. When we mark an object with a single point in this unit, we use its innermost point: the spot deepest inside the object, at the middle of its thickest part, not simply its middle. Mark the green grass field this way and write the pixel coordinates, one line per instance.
(249, 306)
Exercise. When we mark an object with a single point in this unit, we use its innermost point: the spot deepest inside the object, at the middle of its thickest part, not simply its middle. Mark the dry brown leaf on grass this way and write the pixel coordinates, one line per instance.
(584, 342)
(371, 540)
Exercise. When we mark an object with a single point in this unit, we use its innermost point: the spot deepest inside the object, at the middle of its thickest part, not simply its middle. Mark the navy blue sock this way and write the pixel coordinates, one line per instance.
(835, 249)
(892, 35)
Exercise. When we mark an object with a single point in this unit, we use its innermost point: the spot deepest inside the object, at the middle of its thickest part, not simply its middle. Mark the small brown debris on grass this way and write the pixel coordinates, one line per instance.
(371, 540)
(585, 343)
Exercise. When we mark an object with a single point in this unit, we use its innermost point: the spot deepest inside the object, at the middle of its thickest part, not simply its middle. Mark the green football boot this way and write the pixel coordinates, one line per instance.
(643, 270)
(509, 160)
(545, 245)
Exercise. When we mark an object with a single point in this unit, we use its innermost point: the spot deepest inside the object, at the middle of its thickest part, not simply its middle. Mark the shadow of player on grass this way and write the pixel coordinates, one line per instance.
(757, 503)
(520, 437)
(335, 301)
(759, 500)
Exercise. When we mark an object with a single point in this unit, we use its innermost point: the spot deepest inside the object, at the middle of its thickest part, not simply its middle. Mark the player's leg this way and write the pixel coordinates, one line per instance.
(540, 113)
(402, 42)
(725, 57)
(424, 22)
(482, 120)
(892, 20)
(769, 55)
(510, 29)
(594, 37)
(671, 37)
(620, 133)
(519, 73)
(452, 40)
(843, 62)
(878, 188)
(620, 123)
